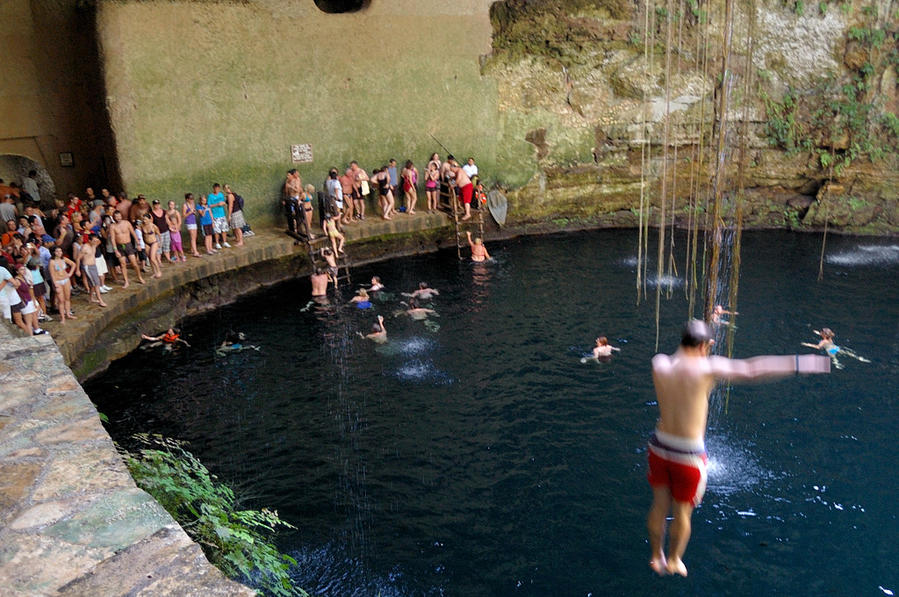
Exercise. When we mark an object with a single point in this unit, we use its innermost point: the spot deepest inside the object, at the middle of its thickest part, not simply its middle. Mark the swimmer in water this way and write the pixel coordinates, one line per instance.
(378, 332)
(234, 343)
(829, 346)
(169, 339)
(424, 292)
(478, 250)
(376, 284)
(361, 299)
(417, 312)
(718, 311)
(677, 457)
(602, 352)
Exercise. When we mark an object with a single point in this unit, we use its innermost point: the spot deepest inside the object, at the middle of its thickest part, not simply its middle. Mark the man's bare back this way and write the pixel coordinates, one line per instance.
(677, 458)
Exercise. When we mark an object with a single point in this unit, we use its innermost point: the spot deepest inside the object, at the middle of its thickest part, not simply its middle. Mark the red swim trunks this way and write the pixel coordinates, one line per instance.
(679, 464)
(467, 191)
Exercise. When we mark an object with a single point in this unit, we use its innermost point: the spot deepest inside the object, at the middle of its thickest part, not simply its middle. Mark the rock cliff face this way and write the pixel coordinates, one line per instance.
(594, 109)
(580, 109)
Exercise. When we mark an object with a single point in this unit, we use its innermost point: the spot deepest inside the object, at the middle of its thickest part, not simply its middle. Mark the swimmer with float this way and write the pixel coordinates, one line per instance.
(361, 300)
(234, 343)
(169, 339)
(830, 347)
(677, 457)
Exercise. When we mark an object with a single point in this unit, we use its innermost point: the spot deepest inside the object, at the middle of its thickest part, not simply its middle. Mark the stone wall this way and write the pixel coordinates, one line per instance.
(578, 81)
(51, 96)
(218, 91)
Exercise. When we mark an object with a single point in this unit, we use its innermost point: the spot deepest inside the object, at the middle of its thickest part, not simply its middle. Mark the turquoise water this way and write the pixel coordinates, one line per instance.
(477, 455)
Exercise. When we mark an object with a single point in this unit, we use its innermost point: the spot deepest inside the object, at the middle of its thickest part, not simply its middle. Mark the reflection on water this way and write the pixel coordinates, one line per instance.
(484, 459)
(865, 255)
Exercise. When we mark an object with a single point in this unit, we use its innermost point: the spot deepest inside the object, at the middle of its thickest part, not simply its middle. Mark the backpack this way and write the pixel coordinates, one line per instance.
(238, 202)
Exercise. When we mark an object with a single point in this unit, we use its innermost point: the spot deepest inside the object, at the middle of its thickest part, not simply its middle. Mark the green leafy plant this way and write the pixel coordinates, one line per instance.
(236, 541)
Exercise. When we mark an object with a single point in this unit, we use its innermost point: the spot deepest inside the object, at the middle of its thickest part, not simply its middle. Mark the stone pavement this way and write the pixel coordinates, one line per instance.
(72, 520)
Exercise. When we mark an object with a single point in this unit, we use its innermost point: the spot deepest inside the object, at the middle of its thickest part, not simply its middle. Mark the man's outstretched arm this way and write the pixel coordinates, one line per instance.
(768, 367)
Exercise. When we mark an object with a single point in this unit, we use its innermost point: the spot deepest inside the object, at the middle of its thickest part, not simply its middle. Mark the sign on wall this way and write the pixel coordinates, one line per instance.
(301, 154)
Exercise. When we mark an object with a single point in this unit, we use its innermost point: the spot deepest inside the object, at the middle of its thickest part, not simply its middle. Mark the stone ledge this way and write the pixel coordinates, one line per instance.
(72, 519)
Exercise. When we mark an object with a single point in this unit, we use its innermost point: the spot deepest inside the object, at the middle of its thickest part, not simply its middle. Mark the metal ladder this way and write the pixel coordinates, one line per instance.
(449, 205)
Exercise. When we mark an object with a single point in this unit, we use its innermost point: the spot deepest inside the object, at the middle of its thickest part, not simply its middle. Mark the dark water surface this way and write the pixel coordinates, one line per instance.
(483, 458)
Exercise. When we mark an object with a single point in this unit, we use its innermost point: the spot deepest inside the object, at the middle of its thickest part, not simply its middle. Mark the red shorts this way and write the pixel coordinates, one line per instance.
(679, 466)
(466, 193)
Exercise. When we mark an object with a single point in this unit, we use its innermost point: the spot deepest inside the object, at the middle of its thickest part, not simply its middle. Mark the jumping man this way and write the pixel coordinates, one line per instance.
(677, 458)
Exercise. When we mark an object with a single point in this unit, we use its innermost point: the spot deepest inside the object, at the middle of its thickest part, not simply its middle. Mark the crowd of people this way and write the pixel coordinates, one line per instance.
(51, 249)
(87, 244)
(344, 195)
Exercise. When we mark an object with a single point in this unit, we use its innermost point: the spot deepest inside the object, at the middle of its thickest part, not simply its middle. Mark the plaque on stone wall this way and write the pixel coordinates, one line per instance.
(67, 160)
(301, 154)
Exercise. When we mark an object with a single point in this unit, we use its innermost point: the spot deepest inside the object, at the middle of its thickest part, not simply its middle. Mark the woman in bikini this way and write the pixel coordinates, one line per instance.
(410, 180)
(151, 239)
(61, 270)
(189, 210)
(306, 206)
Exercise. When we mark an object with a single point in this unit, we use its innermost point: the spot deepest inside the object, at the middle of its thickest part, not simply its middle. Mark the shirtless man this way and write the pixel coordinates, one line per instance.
(87, 261)
(347, 189)
(125, 242)
(424, 292)
(417, 312)
(446, 169)
(464, 189)
(677, 458)
(478, 250)
(319, 280)
(378, 332)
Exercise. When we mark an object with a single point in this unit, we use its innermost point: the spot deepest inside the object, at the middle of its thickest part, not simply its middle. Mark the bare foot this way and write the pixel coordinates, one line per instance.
(157, 275)
(677, 567)
(659, 565)
(124, 286)
(70, 316)
(102, 304)
(463, 218)
(141, 280)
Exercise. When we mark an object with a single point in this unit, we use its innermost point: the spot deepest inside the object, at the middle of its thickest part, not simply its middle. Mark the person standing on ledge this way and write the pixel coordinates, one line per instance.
(677, 458)
(478, 250)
